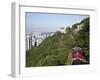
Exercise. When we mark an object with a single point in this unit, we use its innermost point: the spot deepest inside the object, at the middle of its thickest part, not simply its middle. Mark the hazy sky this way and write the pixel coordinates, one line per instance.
(44, 22)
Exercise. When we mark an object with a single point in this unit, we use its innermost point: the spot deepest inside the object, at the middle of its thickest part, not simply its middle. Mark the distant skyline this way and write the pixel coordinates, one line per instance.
(46, 22)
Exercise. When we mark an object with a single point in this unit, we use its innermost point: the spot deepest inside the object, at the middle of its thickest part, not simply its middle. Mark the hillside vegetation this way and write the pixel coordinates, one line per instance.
(56, 50)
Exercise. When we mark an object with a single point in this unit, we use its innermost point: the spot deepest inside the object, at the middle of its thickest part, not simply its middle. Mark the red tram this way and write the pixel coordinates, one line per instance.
(77, 55)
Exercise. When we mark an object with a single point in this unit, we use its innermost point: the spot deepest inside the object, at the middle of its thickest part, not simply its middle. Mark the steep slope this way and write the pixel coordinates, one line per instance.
(55, 50)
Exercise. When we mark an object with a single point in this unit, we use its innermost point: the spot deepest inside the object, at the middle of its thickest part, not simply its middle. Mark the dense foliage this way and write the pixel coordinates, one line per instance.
(56, 50)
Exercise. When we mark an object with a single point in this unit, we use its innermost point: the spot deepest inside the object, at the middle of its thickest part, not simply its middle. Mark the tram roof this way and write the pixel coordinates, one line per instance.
(77, 48)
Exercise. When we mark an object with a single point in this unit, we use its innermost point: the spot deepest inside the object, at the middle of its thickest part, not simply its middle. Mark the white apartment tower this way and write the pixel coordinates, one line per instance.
(63, 30)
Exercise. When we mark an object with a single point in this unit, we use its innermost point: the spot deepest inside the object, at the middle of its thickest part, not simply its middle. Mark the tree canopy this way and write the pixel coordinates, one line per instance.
(55, 50)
